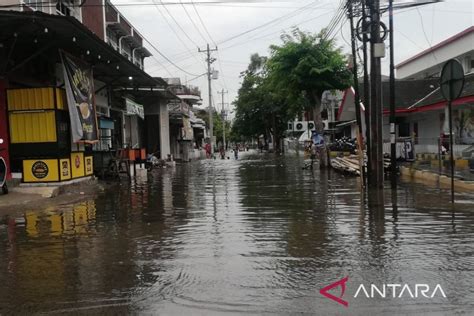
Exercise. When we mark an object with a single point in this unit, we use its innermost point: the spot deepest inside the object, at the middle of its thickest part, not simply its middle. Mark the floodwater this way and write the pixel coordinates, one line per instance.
(258, 235)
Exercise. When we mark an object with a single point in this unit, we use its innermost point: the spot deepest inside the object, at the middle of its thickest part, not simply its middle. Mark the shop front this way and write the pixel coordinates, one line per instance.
(49, 119)
(40, 143)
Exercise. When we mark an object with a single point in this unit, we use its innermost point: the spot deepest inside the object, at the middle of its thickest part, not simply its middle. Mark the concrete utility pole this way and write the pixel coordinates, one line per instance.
(223, 118)
(393, 144)
(209, 61)
(376, 97)
(360, 146)
(368, 137)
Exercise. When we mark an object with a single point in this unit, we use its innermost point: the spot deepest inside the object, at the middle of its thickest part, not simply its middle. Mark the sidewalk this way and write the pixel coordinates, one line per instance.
(21, 198)
(463, 179)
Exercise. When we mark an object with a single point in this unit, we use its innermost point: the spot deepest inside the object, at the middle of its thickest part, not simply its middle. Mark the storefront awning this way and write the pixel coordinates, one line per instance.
(27, 35)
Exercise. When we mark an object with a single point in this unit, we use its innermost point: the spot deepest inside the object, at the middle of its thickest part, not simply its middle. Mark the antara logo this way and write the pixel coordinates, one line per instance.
(394, 290)
(400, 290)
(342, 284)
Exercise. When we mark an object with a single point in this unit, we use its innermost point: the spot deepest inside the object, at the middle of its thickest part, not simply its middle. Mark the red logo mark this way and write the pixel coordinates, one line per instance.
(342, 284)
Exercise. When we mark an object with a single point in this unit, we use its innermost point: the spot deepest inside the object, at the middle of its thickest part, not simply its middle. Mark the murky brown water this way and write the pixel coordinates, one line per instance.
(259, 235)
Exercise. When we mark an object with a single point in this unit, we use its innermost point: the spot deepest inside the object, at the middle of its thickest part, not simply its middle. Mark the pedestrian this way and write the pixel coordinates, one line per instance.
(222, 152)
(208, 150)
(236, 152)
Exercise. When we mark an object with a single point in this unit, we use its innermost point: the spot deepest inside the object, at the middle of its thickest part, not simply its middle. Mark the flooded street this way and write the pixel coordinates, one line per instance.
(257, 235)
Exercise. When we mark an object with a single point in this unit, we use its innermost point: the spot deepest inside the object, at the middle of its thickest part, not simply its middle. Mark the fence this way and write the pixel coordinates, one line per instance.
(431, 146)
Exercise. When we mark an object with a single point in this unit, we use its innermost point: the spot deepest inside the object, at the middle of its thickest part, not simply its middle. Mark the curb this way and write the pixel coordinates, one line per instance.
(433, 179)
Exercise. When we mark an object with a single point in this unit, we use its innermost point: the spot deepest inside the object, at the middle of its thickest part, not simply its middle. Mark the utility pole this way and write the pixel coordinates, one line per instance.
(223, 118)
(360, 146)
(367, 103)
(376, 52)
(393, 144)
(209, 61)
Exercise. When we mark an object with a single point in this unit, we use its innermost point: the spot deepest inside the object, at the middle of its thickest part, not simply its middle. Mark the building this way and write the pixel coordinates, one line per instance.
(34, 35)
(421, 111)
(184, 143)
(428, 63)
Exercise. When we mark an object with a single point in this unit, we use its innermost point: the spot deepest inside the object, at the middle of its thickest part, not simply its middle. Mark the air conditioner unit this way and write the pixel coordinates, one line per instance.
(290, 127)
(301, 126)
(311, 126)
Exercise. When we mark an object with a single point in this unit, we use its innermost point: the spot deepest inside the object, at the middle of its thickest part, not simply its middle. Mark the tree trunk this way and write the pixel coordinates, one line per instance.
(276, 137)
(322, 154)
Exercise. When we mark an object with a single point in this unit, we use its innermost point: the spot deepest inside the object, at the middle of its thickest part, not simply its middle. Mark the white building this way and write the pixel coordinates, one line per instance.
(421, 110)
(428, 63)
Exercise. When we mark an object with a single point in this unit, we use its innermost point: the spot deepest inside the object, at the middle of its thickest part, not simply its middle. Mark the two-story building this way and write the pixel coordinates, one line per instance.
(186, 131)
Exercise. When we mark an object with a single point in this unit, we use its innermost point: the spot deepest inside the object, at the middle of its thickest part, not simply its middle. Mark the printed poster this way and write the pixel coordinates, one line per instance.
(80, 93)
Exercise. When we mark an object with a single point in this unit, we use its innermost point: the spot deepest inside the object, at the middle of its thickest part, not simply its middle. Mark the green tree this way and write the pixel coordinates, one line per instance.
(259, 109)
(303, 67)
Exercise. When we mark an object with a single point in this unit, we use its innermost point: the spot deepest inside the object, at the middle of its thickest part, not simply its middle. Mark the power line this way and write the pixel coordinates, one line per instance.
(274, 21)
(202, 23)
(174, 31)
(424, 33)
(179, 26)
(295, 12)
(47, 4)
(167, 59)
(192, 21)
(272, 33)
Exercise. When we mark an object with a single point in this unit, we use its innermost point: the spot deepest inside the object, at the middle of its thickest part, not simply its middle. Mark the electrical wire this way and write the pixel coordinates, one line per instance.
(179, 26)
(202, 23)
(167, 59)
(176, 33)
(48, 4)
(266, 36)
(291, 14)
(274, 21)
(424, 33)
(192, 21)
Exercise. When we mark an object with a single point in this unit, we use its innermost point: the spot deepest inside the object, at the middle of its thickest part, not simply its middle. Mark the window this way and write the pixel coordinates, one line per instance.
(33, 4)
(63, 7)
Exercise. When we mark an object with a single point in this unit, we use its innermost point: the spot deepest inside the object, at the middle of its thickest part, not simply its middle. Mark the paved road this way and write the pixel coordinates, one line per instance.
(254, 235)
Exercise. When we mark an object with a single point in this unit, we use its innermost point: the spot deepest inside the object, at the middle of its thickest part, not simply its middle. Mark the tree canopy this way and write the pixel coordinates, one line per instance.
(305, 66)
(293, 78)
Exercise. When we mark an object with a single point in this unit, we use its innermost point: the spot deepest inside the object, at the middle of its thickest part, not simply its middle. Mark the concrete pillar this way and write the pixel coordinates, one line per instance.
(4, 145)
(164, 131)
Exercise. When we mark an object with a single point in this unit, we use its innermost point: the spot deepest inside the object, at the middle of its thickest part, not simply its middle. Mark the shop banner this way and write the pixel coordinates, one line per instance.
(134, 108)
(80, 99)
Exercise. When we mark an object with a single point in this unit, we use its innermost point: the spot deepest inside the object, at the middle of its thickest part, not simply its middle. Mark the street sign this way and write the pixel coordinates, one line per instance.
(452, 80)
(451, 83)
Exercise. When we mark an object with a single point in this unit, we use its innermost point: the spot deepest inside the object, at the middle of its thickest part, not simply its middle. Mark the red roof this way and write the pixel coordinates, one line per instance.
(439, 45)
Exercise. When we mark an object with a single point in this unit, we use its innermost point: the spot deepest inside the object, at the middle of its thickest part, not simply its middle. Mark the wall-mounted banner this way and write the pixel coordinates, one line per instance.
(80, 99)
(134, 108)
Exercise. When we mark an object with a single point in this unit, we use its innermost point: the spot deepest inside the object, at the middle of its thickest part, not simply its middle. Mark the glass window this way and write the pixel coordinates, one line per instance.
(34, 4)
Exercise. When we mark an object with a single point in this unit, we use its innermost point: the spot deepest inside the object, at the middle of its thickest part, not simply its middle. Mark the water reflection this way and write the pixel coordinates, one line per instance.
(254, 235)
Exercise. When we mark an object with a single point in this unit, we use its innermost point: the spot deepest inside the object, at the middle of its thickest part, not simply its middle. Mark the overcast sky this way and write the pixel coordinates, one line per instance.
(177, 28)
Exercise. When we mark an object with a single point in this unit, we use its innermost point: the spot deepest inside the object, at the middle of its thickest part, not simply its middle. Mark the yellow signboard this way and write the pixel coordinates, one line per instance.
(36, 170)
(65, 169)
(89, 162)
(77, 165)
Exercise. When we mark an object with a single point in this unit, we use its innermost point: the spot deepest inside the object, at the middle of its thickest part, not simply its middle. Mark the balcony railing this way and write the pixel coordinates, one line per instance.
(185, 90)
